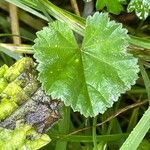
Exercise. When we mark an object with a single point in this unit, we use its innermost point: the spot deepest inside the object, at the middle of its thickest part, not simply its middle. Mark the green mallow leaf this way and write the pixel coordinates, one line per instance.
(141, 8)
(113, 6)
(91, 77)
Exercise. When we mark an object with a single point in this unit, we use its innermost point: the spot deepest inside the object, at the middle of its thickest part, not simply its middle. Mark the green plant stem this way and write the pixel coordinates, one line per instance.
(94, 133)
(87, 122)
(133, 120)
(137, 91)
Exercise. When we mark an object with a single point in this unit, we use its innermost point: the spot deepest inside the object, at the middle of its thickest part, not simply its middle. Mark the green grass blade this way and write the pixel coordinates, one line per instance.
(64, 126)
(133, 119)
(94, 133)
(143, 126)
(13, 51)
(146, 79)
(44, 11)
(26, 8)
(141, 42)
(75, 22)
(87, 138)
(138, 133)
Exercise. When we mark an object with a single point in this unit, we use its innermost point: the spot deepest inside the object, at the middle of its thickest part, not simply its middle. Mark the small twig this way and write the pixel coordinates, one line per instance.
(75, 7)
(14, 23)
(111, 117)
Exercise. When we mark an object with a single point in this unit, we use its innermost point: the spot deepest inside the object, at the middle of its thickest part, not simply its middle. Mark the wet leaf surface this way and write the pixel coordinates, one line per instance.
(87, 78)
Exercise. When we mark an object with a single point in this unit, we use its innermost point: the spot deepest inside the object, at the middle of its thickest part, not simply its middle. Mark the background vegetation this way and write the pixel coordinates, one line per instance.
(18, 27)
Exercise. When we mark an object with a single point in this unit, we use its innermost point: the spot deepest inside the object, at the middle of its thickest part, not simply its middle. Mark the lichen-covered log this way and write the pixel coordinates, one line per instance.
(39, 111)
(14, 84)
(25, 110)
(23, 137)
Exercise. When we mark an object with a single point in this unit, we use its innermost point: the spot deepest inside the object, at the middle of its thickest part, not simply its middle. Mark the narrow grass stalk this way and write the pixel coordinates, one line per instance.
(88, 138)
(94, 133)
(44, 11)
(146, 79)
(64, 126)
